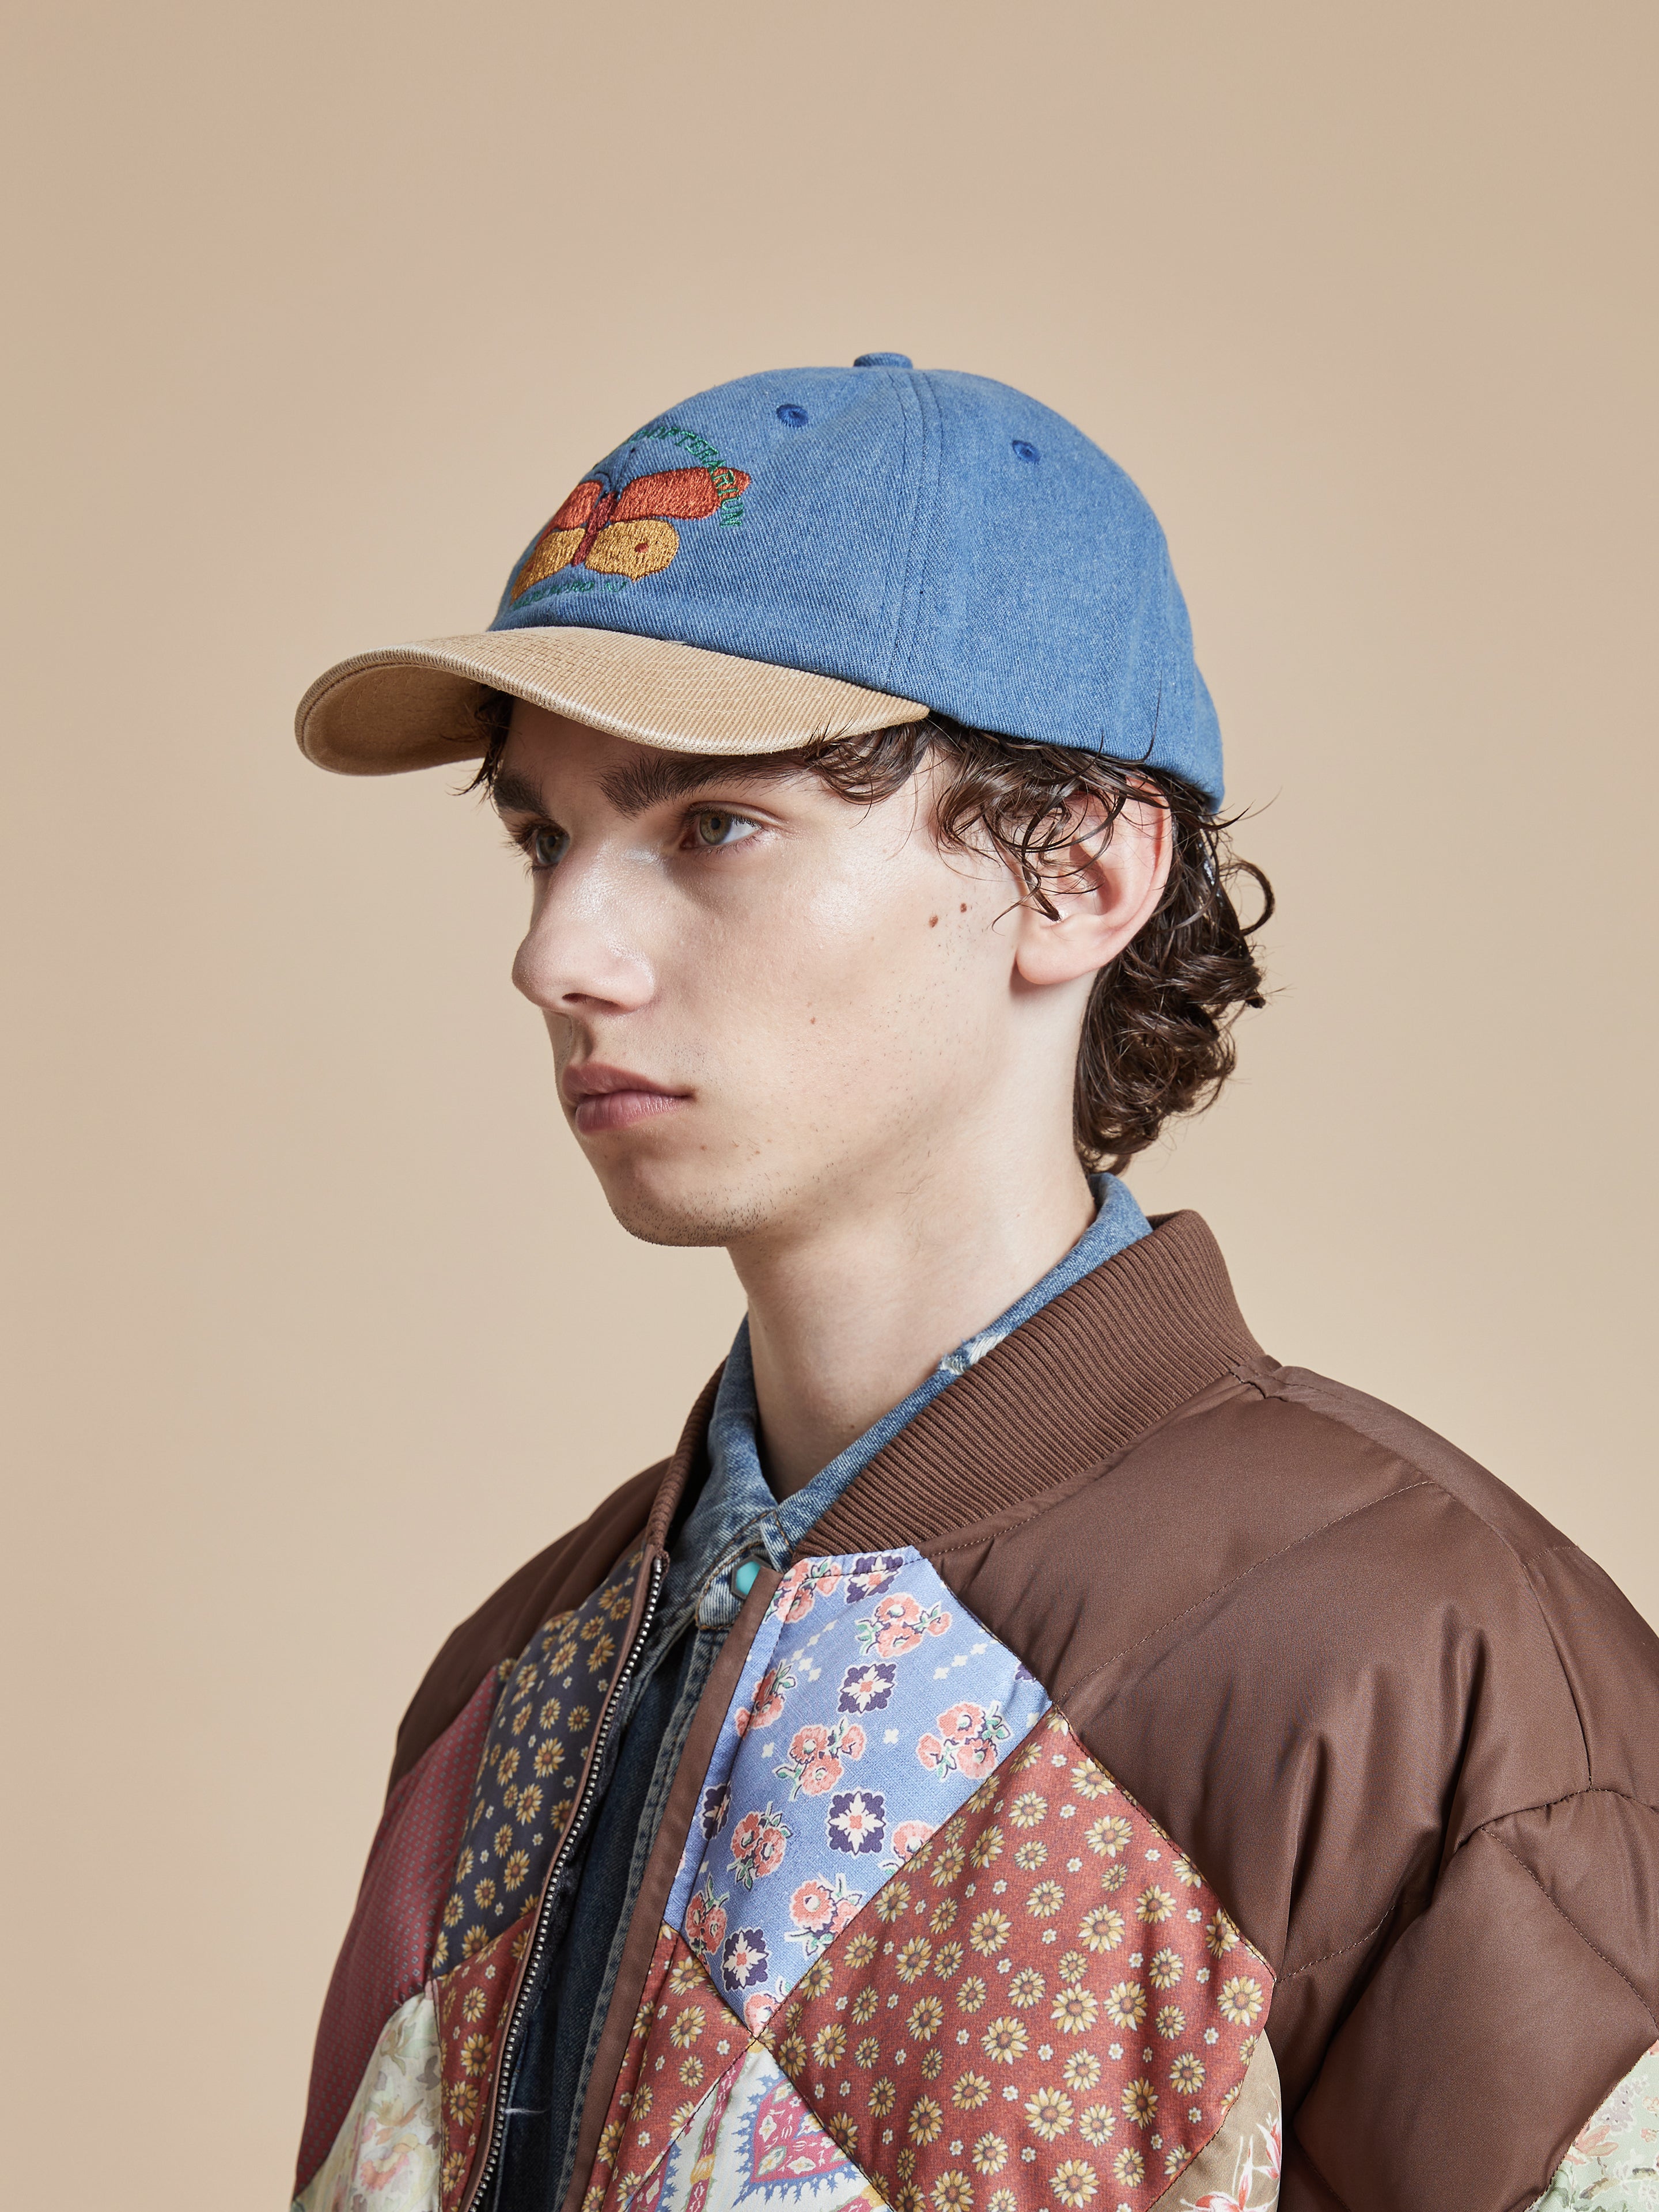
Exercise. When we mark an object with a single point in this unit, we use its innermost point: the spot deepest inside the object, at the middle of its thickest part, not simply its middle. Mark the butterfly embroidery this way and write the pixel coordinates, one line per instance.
(626, 533)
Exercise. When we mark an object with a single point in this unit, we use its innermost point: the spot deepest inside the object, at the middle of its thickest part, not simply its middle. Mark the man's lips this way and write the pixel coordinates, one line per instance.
(604, 1099)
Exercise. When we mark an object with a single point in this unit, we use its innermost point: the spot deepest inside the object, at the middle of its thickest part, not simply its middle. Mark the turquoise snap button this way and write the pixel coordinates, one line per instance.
(745, 1577)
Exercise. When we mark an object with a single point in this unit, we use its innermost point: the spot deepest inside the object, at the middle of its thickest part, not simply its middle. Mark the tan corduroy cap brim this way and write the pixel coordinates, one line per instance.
(416, 706)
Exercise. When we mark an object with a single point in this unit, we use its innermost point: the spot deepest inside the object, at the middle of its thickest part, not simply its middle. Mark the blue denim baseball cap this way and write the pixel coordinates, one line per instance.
(815, 552)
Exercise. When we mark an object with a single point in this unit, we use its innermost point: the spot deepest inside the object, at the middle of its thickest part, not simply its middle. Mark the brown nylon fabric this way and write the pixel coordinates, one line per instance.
(1302, 2187)
(1498, 1988)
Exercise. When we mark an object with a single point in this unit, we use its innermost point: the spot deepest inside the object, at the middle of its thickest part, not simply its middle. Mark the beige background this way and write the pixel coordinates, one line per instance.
(316, 312)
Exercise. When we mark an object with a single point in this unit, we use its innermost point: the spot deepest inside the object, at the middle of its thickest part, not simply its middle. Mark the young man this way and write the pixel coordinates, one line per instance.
(1025, 1739)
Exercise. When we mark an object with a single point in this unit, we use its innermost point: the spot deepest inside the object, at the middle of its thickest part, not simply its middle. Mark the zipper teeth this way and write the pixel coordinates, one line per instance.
(584, 1804)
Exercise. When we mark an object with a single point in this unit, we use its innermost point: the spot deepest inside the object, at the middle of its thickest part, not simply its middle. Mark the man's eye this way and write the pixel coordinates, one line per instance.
(547, 848)
(712, 826)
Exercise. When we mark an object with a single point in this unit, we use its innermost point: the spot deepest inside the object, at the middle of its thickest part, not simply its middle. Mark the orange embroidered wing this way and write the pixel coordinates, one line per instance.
(687, 495)
(639, 540)
(577, 511)
(629, 535)
(560, 542)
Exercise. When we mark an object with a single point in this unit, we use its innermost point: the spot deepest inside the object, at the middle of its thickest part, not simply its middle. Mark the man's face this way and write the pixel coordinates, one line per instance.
(768, 1007)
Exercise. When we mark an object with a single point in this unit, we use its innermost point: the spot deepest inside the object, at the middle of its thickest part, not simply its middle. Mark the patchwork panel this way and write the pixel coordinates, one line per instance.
(386, 2156)
(1238, 2169)
(472, 2001)
(755, 2145)
(1047, 2002)
(1613, 2160)
(540, 1733)
(923, 1951)
(684, 2040)
(872, 1704)
(662, 1956)
(387, 1953)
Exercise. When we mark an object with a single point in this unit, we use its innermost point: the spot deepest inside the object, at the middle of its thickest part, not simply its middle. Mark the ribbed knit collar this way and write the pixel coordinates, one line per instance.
(1069, 1389)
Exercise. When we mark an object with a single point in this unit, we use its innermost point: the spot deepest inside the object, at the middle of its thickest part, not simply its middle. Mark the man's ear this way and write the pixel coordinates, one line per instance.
(1106, 884)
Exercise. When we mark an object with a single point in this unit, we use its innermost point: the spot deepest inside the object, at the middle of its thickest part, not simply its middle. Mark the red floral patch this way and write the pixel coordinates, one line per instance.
(622, 2094)
(472, 2013)
(1048, 2003)
(684, 2038)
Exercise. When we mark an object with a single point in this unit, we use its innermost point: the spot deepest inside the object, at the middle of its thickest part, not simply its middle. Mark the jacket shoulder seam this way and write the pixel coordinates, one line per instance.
(1567, 1797)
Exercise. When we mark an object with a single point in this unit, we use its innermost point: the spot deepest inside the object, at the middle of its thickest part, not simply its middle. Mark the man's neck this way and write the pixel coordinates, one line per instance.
(846, 1321)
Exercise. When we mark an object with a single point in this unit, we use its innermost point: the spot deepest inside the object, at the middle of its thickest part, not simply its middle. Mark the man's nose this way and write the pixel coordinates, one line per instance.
(580, 952)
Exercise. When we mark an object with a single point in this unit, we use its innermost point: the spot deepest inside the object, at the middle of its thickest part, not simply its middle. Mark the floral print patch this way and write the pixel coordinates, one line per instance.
(1613, 2163)
(1047, 2002)
(472, 2002)
(872, 1704)
(684, 2040)
(599, 2180)
(386, 2156)
(545, 1714)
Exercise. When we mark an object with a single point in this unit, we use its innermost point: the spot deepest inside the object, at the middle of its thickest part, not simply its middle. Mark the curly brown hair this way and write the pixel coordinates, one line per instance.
(1158, 1033)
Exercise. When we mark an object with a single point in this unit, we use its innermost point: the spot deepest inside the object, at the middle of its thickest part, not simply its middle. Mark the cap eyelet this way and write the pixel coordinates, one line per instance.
(1026, 452)
(794, 417)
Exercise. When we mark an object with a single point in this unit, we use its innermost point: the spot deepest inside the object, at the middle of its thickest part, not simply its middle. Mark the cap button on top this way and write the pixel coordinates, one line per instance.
(884, 361)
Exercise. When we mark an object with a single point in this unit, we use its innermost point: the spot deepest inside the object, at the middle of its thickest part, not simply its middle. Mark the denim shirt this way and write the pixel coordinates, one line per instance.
(734, 1518)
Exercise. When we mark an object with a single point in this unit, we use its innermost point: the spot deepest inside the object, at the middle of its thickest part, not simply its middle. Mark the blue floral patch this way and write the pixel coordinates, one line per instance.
(872, 1704)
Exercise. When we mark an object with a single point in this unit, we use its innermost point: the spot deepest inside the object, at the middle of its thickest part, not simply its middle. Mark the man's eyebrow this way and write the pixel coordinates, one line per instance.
(647, 781)
(656, 776)
(513, 793)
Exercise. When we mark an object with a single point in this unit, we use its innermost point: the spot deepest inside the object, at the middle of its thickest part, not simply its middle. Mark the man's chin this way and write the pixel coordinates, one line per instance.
(659, 1215)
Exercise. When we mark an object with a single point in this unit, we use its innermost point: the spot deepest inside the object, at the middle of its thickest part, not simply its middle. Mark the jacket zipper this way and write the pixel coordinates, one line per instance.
(561, 1857)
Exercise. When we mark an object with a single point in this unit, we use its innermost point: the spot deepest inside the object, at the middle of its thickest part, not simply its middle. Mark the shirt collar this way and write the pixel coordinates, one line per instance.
(737, 1514)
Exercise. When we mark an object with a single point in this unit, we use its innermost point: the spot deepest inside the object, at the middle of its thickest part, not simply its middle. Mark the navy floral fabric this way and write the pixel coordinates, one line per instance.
(545, 1714)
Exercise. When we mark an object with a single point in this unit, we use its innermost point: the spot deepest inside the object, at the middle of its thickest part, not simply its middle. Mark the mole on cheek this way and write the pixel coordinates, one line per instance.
(933, 922)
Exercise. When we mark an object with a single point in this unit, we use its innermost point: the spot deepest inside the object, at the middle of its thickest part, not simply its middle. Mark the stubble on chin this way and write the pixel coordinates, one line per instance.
(716, 1218)
(764, 1192)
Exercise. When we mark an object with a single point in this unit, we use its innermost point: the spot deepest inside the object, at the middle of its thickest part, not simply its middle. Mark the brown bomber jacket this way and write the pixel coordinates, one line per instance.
(1406, 1732)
